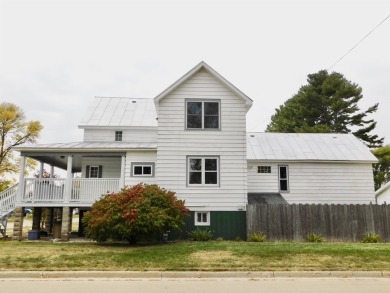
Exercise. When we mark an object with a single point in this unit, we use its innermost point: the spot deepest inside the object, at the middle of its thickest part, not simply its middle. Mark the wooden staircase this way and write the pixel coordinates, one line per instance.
(7, 206)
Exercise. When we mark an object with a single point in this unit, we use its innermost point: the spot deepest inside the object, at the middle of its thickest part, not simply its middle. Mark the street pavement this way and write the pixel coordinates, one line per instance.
(192, 285)
(191, 282)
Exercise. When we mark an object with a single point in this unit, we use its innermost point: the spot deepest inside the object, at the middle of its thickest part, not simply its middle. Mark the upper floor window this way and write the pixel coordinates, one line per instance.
(283, 178)
(203, 171)
(202, 115)
(118, 135)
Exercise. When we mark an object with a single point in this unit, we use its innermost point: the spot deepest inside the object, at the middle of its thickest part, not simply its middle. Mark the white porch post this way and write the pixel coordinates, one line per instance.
(51, 171)
(122, 178)
(41, 169)
(21, 179)
(68, 180)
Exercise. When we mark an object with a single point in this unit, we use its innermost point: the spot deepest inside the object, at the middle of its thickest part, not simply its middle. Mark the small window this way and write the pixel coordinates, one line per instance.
(142, 169)
(118, 135)
(203, 171)
(264, 169)
(202, 218)
(94, 172)
(202, 115)
(283, 178)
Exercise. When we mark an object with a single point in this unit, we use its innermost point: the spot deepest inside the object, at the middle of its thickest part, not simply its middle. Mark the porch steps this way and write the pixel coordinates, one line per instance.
(7, 206)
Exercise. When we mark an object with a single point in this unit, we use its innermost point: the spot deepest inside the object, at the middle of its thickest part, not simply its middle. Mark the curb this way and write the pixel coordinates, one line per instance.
(189, 274)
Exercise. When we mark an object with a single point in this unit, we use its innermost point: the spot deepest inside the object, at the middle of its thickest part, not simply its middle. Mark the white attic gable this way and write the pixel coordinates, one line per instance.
(212, 72)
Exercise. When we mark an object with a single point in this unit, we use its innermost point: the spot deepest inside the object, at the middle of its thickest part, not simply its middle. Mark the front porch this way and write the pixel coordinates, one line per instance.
(89, 175)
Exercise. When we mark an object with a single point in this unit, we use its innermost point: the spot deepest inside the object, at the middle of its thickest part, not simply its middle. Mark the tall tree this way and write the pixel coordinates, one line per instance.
(14, 131)
(382, 168)
(327, 103)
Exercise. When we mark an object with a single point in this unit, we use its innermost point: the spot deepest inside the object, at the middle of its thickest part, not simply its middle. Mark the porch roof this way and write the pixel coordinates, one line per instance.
(86, 146)
(54, 154)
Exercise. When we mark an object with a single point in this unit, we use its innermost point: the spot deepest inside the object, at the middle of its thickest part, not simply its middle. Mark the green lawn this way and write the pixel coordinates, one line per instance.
(206, 256)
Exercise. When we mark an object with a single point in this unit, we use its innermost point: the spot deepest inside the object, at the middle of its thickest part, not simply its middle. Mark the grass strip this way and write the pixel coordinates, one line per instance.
(194, 256)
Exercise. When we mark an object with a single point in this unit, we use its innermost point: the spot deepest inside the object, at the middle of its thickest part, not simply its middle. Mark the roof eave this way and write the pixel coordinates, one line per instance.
(313, 161)
(117, 127)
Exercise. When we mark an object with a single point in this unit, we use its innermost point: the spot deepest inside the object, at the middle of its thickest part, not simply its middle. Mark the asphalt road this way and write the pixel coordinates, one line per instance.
(147, 285)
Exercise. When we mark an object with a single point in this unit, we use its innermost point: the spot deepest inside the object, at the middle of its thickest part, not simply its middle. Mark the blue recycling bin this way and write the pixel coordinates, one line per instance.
(33, 235)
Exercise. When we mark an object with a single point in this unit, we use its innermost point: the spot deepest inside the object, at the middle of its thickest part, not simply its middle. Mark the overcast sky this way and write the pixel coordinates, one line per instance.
(55, 56)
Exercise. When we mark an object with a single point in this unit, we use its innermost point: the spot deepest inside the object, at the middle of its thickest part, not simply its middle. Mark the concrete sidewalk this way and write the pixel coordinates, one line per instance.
(190, 274)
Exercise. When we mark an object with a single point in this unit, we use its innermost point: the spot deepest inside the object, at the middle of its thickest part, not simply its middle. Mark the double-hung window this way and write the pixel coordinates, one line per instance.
(202, 114)
(203, 171)
(283, 178)
(94, 171)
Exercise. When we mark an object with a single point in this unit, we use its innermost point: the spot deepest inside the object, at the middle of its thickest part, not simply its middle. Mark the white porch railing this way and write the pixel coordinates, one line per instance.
(43, 190)
(91, 189)
(51, 190)
(8, 200)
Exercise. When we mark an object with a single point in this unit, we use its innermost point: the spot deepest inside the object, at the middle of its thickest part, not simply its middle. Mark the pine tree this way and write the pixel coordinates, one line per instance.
(328, 103)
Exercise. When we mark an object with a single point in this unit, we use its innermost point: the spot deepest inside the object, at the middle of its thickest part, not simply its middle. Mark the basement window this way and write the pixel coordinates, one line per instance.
(202, 218)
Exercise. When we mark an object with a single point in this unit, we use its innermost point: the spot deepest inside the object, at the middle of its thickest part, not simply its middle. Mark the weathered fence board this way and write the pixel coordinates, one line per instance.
(333, 222)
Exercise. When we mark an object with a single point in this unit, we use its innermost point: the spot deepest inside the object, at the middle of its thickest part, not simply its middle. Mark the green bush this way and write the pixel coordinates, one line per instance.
(201, 234)
(257, 237)
(371, 238)
(314, 237)
(140, 211)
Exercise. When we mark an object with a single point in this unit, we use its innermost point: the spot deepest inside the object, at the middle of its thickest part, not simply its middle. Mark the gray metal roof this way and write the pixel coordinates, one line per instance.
(120, 112)
(307, 147)
(87, 146)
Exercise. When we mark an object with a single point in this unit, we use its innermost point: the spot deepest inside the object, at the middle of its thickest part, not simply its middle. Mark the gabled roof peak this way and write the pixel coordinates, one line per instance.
(210, 70)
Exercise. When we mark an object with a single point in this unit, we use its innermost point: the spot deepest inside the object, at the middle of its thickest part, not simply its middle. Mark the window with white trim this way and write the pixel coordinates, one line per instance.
(264, 169)
(283, 178)
(118, 135)
(142, 169)
(203, 171)
(94, 172)
(202, 218)
(202, 114)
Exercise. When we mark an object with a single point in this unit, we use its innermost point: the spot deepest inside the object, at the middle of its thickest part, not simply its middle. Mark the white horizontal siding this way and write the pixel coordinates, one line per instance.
(317, 182)
(139, 157)
(384, 197)
(111, 166)
(229, 143)
(128, 135)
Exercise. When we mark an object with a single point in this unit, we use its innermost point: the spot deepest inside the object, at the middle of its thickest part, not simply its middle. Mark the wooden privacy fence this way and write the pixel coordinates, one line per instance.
(333, 222)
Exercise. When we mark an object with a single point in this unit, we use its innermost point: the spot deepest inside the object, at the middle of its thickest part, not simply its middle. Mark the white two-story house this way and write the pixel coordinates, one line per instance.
(191, 139)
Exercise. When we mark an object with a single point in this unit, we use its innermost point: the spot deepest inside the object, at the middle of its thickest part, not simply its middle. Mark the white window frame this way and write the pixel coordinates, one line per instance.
(118, 134)
(90, 171)
(203, 171)
(284, 179)
(203, 101)
(143, 165)
(201, 223)
(265, 168)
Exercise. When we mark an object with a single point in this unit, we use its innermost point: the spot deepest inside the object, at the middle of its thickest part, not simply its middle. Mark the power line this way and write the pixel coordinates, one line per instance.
(358, 43)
